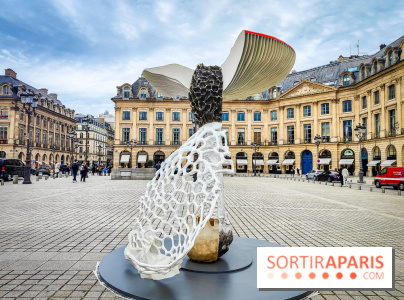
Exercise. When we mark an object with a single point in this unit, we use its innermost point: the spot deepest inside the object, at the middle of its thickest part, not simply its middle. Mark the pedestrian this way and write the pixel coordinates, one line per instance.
(57, 169)
(83, 172)
(292, 172)
(104, 171)
(109, 170)
(298, 172)
(93, 170)
(99, 170)
(345, 174)
(75, 168)
(341, 178)
(158, 166)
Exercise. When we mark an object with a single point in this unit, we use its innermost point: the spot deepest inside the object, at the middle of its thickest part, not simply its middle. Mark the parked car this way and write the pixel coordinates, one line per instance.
(390, 176)
(327, 176)
(64, 169)
(313, 173)
(44, 169)
(10, 167)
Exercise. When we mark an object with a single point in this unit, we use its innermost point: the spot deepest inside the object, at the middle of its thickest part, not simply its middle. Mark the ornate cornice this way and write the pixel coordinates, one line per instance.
(382, 86)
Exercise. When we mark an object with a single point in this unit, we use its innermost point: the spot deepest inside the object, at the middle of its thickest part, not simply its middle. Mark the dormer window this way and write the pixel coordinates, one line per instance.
(143, 93)
(274, 93)
(390, 58)
(346, 80)
(6, 89)
(363, 73)
(126, 93)
(375, 67)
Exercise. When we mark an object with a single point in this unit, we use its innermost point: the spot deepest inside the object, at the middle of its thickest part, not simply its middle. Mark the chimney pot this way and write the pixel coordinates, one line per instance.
(43, 91)
(294, 71)
(10, 72)
(382, 46)
(54, 96)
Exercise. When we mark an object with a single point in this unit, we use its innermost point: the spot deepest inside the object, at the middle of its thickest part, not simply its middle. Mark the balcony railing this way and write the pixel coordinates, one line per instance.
(3, 116)
(291, 142)
(159, 142)
(241, 143)
(175, 143)
(37, 144)
(325, 139)
(142, 143)
(3, 141)
(44, 145)
(21, 142)
(391, 133)
(307, 141)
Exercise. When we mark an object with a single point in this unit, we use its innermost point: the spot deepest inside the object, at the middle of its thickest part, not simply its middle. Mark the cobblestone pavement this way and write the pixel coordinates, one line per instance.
(54, 231)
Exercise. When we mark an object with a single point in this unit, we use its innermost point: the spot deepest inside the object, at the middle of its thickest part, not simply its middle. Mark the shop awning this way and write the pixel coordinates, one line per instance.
(141, 158)
(242, 162)
(258, 162)
(288, 162)
(324, 161)
(346, 161)
(125, 159)
(373, 163)
(271, 162)
(388, 163)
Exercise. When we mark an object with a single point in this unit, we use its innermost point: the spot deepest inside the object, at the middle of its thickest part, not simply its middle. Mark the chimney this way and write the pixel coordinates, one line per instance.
(10, 72)
(54, 96)
(294, 71)
(43, 91)
(382, 46)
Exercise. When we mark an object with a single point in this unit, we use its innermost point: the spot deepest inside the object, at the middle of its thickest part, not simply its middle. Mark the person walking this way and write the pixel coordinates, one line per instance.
(93, 170)
(109, 170)
(83, 172)
(292, 172)
(75, 168)
(341, 178)
(298, 172)
(104, 171)
(158, 166)
(57, 169)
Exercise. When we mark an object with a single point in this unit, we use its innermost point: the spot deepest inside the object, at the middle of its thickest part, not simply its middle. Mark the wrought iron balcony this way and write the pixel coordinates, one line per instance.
(241, 143)
(142, 143)
(159, 142)
(3, 116)
(291, 142)
(307, 141)
(325, 139)
(3, 141)
(175, 143)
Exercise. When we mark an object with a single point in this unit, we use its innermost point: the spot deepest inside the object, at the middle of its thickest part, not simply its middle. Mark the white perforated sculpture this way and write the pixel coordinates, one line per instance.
(183, 210)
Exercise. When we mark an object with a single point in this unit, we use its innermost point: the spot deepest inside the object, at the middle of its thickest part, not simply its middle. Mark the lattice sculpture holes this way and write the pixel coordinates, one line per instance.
(185, 194)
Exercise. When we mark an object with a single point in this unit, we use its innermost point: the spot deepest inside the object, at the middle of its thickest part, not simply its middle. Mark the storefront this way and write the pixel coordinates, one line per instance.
(375, 163)
(289, 162)
(258, 161)
(391, 160)
(348, 160)
(241, 162)
(324, 160)
(273, 163)
(158, 156)
(125, 160)
(142, 158)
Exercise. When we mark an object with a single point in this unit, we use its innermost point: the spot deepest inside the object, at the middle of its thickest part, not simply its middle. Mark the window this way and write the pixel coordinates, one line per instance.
(44, 122)
(57, 140)
(21, 115)
(346, 80)
(307, 133)
(20, 134)
(296, 82)
(240, 116)
(3, 133)
(257, 116)
(142, 115)
(274, 135)
(290, 113)
(191, 132)
(363, 73)
(143, 93)
(274, 115)
(257, 136)
(125, 135)
(5, 89)
(225, 116)
(291, 134)
(347, 106)
(159, 136)
(143, 136)
(377, 99)
(37, 136)
(364, 102)
(50, 140)
(4, 114)
(176, 115)
(375, 67)
(159, 96)
(390, 58)
(191, 116)
(347, 130)
(176, 136)
(240, 137)
(274, 93)
(307, 111)
(44, 139)
(159, 116)
(325, 131)
(392, 92)
(56, 126)
(365, 123)
(126, 115)
(325, 108)
(126, 93)
(392, 122)
(314, 79)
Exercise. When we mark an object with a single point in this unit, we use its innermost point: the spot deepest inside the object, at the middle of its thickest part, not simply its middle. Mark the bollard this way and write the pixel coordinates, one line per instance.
(15, 179)
(40, 175)
(46, 177)
(332, 184)
(2, 182)
(319, 182)
(326, 183)
(37, 178)
(371, 189)
(67, 175)
(349, 185)
(359, 187)
(383, 190)
(53, 175)
(399, 192)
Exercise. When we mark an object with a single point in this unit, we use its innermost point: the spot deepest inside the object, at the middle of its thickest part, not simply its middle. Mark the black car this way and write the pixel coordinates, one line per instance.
(10, 167)
(44, 169)
(327, 176)
(64, 169)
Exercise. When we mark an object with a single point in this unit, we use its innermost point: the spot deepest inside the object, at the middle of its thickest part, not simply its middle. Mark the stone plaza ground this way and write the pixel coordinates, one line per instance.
(53, 232)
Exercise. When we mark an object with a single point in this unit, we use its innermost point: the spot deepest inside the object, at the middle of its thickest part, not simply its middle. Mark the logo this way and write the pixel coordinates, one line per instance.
(325, 268)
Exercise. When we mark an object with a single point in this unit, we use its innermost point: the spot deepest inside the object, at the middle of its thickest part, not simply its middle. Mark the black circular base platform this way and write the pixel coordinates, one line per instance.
(204, 281)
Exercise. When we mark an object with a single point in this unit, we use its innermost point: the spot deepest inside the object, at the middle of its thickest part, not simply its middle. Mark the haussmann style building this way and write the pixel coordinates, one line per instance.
(329, 101)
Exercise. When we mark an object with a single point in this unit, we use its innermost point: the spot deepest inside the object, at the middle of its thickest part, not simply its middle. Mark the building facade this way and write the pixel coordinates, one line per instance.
(48, 130)
(329, 101)
(94, 134)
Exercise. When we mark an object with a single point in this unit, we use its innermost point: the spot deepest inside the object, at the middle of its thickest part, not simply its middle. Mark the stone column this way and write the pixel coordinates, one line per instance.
(184, 126)
(399, 109)
(298, 129)
(134, 120)
(233, 119)
(249, 129)
(369, 125)
(334, 126)
(315, 120)
(382, 112)
(281, 137)
(117, 125)
(167, 134)
(356, 109)
(265, 134)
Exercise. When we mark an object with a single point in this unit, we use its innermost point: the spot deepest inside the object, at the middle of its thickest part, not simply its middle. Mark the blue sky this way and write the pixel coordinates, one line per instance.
(82, 50)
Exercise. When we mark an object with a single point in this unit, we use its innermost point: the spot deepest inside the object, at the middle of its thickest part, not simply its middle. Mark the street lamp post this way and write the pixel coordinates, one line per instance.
(99, 155)
(86, 121)
(131, 144)
(317, 141)
(255, 146)
(73, 139)
(360, 131)
(28, 101)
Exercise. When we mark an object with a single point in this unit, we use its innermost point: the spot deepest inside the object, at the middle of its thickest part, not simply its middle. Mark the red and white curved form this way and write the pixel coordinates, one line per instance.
(255, 63)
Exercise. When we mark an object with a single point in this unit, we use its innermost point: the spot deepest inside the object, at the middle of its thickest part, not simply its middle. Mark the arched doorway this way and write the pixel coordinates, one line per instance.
(273, 162)
(158, 156)
(348, 160)
(44, 159)
(51, 160)
(391, 157)
(376, 160)
(364, 155)
(57, 158)
(68, 160)
(142, 158)
(3, 154)
(307, 161)
(258, 161)
(62, 160)
(241, 162)
(289, 161)
(37, 160)
(125, 159)
(21, 156)
(324, 162)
